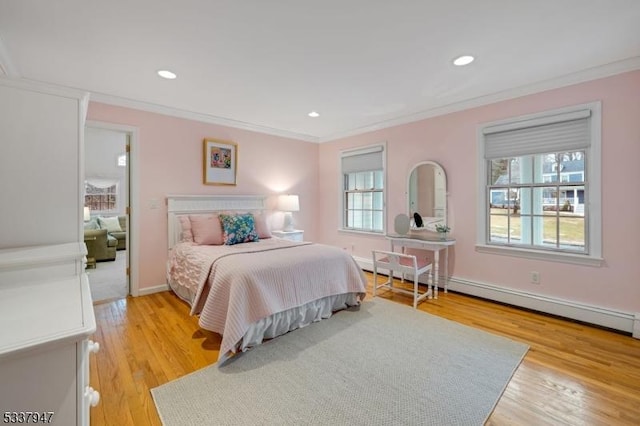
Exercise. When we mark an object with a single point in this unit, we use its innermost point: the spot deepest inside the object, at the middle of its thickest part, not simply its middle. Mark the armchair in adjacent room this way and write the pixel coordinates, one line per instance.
(100, 245)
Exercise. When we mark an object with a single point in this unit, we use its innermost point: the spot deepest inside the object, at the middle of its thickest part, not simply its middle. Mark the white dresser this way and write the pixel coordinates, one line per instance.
(46, 318)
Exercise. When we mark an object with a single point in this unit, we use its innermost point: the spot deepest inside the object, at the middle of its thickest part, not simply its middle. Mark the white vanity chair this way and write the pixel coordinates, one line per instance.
(404, 264)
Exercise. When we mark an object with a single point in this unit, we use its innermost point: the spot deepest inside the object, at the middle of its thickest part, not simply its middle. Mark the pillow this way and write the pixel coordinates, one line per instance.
(262, 228)
(185, 225)
(238, 228)
(91, 224)
(206, 229)
(111, 224)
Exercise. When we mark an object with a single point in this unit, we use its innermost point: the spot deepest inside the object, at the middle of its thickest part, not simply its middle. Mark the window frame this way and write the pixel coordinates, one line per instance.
(593, 206)
(344, 191)
(115, 194)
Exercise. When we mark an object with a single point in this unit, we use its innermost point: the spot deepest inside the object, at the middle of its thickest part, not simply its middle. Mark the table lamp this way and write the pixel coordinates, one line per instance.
(288, 204)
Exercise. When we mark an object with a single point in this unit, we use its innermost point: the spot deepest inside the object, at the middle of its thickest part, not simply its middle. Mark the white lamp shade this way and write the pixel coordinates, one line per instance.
(87, 214)
(288, 203)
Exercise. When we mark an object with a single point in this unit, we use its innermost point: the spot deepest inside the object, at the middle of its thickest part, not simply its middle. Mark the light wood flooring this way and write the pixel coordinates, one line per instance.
(573, 374)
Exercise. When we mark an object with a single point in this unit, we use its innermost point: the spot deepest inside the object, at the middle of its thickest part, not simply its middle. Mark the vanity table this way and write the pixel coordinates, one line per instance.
(432, 243)
(427, 199)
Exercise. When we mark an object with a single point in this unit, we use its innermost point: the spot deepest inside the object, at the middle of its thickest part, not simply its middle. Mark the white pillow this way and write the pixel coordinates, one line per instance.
(111, 224)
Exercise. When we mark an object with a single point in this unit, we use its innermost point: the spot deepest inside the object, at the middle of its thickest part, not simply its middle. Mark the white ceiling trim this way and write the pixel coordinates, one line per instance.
(50, 89)
(7, 66)
(607, 70)
(619, 67)
(196, 116)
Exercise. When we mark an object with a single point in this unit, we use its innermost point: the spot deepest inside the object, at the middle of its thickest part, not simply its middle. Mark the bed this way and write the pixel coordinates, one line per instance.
(252, 291)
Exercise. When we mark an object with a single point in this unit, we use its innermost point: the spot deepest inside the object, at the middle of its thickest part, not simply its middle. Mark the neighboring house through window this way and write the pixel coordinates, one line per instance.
(540, 185)
(363, 189)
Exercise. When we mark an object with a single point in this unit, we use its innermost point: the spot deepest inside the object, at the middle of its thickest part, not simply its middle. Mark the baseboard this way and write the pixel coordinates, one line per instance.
(604, 317)
(150, 290)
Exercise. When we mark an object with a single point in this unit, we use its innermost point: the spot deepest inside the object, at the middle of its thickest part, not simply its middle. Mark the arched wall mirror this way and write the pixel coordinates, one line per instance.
(427, 195)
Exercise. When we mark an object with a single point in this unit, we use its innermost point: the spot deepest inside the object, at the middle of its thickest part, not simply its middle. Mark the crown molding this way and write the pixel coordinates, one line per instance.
(631, 64)
(50, 89)
(196, 116)
(607, 70)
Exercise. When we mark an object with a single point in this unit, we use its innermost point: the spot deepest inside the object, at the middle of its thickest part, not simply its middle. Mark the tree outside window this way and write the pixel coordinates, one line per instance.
(538, 201)
(101, 196)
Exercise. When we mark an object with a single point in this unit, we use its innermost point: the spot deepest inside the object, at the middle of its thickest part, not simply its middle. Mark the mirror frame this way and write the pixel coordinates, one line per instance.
(446, 193)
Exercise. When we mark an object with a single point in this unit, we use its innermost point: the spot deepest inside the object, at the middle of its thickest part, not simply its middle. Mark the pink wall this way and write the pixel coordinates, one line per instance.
(170, 162)
(451, 141)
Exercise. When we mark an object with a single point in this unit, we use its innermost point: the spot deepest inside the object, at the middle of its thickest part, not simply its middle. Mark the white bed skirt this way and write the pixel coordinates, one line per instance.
(282, 322)
(291, 319)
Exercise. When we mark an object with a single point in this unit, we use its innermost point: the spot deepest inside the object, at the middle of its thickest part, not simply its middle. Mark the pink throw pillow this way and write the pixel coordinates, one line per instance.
(206, 229)
(262, 228)
(186, 235)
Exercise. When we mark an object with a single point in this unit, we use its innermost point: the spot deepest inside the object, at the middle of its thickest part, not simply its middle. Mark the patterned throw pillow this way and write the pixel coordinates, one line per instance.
(238, 228)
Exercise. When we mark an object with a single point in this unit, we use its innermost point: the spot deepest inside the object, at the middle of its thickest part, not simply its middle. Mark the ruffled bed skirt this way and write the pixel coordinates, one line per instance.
(291, 319)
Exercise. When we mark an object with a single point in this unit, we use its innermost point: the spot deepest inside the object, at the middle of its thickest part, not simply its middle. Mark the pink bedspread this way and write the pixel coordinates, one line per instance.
(241, 284)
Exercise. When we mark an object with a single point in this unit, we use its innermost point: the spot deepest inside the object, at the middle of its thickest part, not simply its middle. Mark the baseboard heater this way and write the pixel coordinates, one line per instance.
(617, 320)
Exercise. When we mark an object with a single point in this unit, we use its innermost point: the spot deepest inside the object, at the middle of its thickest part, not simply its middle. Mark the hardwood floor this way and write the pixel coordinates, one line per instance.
(573, 374)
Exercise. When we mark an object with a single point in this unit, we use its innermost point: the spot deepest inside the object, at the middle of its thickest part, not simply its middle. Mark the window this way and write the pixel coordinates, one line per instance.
(540, 182)
(363, 189)
(101, 195)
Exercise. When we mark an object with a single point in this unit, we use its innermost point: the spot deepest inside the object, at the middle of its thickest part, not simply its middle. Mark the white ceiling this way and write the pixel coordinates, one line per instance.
(362, 64)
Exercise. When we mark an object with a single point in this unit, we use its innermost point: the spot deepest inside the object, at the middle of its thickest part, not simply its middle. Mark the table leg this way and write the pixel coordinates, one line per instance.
(446, 269)
(436, 272)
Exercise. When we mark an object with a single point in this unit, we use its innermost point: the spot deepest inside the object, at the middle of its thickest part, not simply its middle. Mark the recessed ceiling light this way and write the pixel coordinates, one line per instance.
(463, 60)
(314, 114)
(167, 74)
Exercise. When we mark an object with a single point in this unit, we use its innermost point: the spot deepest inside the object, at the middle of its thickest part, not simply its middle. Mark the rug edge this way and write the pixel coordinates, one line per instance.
(504, 388)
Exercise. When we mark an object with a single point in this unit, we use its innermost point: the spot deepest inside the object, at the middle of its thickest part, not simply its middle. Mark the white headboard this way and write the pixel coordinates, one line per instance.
(178, 205)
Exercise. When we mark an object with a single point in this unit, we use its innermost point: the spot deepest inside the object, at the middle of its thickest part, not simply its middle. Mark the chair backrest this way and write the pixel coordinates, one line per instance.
(399, 262)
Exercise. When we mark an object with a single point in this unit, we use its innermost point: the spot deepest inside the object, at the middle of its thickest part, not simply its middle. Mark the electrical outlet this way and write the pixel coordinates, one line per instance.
(535, 277)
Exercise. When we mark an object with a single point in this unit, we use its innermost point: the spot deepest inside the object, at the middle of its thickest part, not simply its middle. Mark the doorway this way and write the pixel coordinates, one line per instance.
(107, 224)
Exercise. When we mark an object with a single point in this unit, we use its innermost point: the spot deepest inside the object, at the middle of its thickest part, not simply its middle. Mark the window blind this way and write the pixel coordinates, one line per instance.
(561, 132)
(361, 160)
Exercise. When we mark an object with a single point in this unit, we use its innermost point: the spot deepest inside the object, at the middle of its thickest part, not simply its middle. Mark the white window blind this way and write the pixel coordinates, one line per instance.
(361, 160)
(562, 132)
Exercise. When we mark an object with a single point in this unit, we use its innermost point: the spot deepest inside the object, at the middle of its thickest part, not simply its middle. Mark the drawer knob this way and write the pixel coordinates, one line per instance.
(92, 395)
(94, 347)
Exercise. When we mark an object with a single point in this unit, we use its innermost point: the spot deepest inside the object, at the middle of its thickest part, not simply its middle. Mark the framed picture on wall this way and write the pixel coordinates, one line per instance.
(220, 162)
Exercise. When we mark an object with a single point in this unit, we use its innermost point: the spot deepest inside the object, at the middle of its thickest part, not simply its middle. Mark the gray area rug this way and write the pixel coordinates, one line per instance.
(384, 364)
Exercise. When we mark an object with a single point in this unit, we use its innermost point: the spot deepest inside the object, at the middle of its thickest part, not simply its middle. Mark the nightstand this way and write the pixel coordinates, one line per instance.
(295, 235)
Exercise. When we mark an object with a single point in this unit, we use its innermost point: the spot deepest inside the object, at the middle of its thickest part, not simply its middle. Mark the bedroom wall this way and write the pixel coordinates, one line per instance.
(170, 162)
(451, 141)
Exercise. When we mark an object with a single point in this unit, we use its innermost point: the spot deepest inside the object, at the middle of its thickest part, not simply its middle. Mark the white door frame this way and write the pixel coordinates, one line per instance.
(133, 238)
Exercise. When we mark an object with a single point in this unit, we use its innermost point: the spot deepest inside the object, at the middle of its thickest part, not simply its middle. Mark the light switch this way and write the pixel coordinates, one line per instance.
(154, 204)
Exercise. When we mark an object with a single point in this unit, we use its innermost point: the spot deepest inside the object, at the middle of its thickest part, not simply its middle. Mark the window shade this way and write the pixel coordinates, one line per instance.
(562, 132)
(361, 160)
